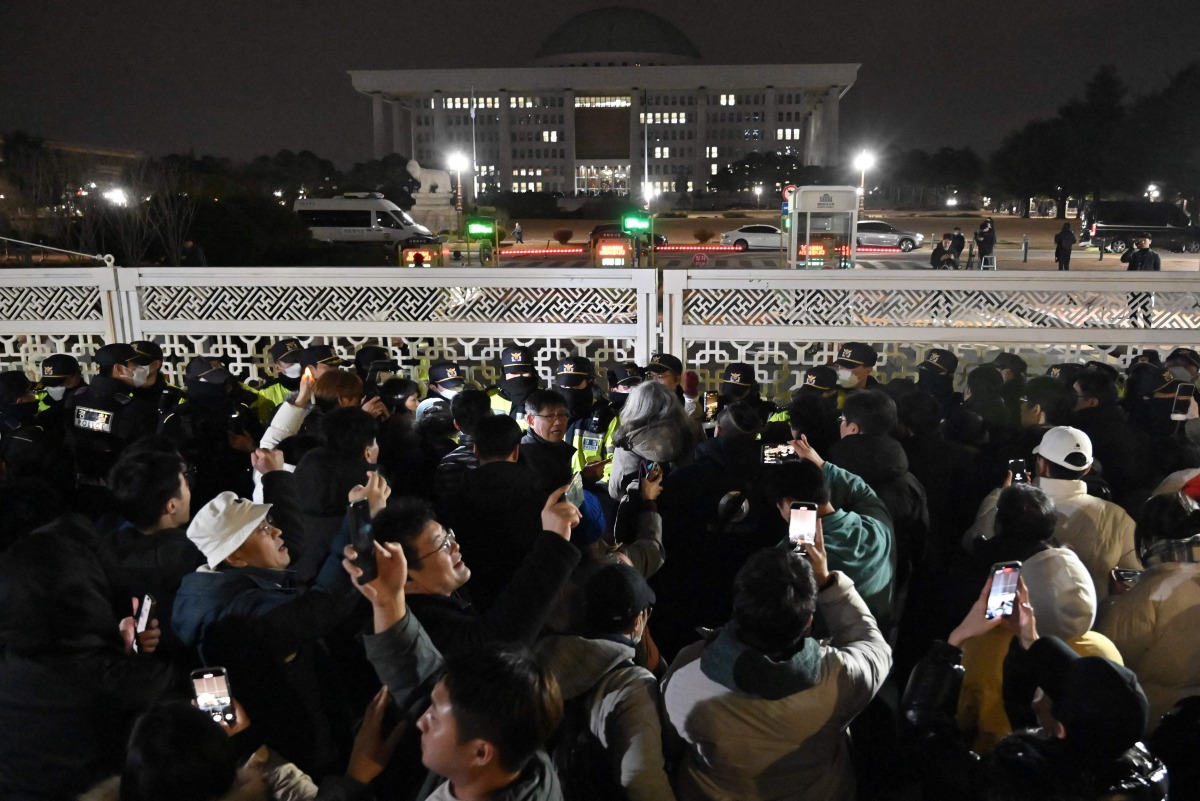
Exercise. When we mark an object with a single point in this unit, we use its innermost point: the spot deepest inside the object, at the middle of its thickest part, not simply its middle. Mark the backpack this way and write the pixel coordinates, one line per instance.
(584, 766)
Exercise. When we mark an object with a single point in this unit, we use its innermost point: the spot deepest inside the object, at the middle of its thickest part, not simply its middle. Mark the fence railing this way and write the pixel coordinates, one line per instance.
(778, 321)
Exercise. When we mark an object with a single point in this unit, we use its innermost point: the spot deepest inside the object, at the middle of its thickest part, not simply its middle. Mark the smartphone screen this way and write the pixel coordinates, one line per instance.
(145, 612)
(776, 454)
(362, 538)
(1002, 599)
(1183, 401)
(711, 403)
(1126, 576)
(211, 687)
(802, 525)
(1017, 467)
(574, 493)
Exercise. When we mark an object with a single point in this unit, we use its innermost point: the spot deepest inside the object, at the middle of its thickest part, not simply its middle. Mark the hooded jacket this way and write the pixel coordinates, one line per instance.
(755, 728)
(624, 705)
(657, 441)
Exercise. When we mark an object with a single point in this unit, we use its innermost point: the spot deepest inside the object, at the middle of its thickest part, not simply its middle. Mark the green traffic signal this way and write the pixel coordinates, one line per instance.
(632, 223)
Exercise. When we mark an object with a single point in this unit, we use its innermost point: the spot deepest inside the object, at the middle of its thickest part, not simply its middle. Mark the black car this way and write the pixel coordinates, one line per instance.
(1117, 223)
(613, 231)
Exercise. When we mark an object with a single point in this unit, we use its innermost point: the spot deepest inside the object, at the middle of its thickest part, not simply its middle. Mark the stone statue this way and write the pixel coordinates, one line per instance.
(429, 179)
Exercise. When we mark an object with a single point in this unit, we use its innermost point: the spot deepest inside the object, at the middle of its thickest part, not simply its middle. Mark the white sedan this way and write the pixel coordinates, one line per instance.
(750, 237)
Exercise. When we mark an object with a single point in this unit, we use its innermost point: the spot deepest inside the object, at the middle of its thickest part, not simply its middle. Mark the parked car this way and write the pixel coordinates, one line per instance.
(614, 231)
(877, 233)
(754, 236)
(1119, 222)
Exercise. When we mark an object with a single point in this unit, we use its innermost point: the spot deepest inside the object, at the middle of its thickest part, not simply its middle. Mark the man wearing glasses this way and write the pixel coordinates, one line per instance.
(544, 450)
(437, 572)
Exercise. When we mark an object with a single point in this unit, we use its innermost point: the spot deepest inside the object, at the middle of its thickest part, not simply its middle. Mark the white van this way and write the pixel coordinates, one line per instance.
(361, 217)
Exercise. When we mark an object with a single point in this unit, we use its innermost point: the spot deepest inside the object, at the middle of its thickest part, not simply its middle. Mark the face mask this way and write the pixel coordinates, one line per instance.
(141, 375)
(1182, 373)
(846, 379)
(578, 398)
(519, 386)
(448, 394)
(204, 393)
(293, 371)
(56, 393)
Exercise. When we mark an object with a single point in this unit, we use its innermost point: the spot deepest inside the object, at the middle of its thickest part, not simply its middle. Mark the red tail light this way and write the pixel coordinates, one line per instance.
(1092, 230)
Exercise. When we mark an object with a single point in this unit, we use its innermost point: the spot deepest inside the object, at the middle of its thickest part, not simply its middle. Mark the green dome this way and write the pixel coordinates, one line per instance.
(618, 30)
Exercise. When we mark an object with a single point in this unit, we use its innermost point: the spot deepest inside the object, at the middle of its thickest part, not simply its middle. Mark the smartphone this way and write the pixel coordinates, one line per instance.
(712, 401)
(574, 494)
(145, 615)
(1001, 601)
(1126, 576)
(777, 454)
(362, 538)
(802, 524)
(211, 687)
(1017, 467)
(1183, 401)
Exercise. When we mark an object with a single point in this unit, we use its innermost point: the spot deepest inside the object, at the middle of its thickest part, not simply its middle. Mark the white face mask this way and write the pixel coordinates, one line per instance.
(56, 393)
(846, 378)
(141, 374)
(293, 371)
(448, 394)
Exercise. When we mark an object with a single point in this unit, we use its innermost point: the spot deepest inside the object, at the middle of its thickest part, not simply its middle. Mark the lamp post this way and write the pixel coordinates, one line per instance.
(458, 162)
(863, 162)
(758, 197)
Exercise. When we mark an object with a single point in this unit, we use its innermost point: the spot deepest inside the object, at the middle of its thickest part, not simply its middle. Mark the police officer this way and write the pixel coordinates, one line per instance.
(589, 418)
(285, 362)
(60, 375)
(151, 386)
(668, 371)
(520, 379)
(215, 431)
(445, 380)
(738, 383)
(20, 435)
(321, 358)
(374, 365)
(104, 417)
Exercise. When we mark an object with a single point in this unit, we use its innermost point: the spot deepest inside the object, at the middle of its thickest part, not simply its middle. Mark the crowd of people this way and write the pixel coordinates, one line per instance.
(341, 584)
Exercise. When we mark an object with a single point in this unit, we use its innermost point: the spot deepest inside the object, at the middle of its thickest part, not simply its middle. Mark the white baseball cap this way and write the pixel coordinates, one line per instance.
(224, 524)
(1067, 447)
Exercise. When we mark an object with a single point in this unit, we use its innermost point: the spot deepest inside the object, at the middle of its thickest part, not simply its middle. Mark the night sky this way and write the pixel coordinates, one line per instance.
(241, 78)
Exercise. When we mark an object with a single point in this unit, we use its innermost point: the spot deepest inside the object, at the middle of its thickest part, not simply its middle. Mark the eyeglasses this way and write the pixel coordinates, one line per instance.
(555, 416)
(444, 545)
(264, 527)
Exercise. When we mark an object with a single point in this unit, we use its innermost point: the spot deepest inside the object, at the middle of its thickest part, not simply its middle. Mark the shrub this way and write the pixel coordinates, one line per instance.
(734, 215)
(703, 234)
(563, 235)
(673, 215)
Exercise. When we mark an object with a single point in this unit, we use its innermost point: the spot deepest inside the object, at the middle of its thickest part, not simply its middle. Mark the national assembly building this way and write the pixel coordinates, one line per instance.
(616, 100)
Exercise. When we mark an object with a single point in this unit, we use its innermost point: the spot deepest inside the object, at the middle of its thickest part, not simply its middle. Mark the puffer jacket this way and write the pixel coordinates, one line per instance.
(624, 705)
(1154, 625)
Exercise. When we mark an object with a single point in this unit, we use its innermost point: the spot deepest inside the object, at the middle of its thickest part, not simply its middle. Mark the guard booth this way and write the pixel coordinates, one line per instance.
(822, 221)
(483, 231)
(612, 251)
(421, 256)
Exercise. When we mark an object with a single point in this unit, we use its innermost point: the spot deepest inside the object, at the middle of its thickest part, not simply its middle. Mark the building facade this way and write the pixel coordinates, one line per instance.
(617, 100)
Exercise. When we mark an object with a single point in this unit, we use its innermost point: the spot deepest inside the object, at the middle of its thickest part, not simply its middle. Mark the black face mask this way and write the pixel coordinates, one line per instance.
(292, 384)
(617, 399)
(207, 394)
(578, 399)
(518, 388)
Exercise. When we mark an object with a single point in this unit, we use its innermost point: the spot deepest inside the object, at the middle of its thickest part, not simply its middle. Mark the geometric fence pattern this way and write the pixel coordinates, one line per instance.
(59, 303)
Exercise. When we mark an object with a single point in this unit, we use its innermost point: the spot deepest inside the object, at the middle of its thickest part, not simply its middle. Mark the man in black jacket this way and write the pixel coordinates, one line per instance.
(1141, 260)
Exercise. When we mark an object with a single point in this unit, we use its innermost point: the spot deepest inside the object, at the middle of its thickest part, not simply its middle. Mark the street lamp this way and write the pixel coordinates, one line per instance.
(863, 162)
(758, 197)
(458, 162)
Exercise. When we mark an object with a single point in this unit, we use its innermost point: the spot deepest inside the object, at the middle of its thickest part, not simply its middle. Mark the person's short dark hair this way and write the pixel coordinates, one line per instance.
(807, 415)
(1172, 516)
(800, 480)
(919, 413)
(495, 436)
(985, 381)
(395, 391)
(774, 598)
(1064, 473)
(543, 400)
(469, 407)
(141, 483)
(347, 430)
(740, 418)
(874, 412)
(1098, 386)
(177, 752)
(501, 695)
(1056, 399)
(1024, 512)
(402, 521)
